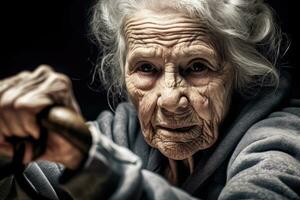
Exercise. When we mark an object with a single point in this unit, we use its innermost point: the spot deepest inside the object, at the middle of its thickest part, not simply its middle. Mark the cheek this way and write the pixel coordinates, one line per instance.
(140, 82)
(219, 93)
(200, 102)
(198, 81)
(143, 94)
(139, 87)
(212, 100)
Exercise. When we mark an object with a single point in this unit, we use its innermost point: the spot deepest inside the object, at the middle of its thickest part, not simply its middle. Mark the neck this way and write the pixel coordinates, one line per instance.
(179, 170)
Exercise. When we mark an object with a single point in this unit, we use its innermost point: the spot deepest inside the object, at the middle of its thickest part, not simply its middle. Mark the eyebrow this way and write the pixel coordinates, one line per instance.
(196, 51)
(142, 53)
(203, 52)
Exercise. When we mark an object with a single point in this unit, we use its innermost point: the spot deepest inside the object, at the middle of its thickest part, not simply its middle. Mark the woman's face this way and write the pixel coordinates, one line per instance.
(176, 81)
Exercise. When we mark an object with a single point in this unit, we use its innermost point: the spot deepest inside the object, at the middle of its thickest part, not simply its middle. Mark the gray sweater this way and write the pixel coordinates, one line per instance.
(256, 157)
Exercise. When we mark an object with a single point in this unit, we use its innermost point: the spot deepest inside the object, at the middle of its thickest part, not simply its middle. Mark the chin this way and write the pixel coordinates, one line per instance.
(176, 151)
(179, 151)
(180, 145)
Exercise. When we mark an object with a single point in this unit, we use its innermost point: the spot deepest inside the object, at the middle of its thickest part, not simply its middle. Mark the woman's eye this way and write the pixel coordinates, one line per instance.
(147, 68)
(196, 68)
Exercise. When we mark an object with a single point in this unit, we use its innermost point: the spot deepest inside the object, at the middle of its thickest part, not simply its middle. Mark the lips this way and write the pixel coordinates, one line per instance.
(184, 133)
(178, 129)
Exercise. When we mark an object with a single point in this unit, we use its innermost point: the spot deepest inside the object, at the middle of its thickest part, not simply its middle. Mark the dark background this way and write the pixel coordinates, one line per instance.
(55, 32)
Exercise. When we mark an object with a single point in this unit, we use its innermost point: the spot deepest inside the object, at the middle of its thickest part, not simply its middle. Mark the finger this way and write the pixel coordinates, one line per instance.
(4, 86)
(60, 91)
(13, 123)
(6, 149)
(38, 96)
(4, 131)
(42, 70)
(8, 97)
(57, 148)
(9, 115)
(57, 82)
(38, 76)
(28, 82)
(2, 137)
(56, 87)
(28, 154)
(12, 81)
(29, 123)
(33, 102)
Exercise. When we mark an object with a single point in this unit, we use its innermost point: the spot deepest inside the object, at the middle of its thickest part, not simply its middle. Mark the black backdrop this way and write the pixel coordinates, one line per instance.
(55, 32)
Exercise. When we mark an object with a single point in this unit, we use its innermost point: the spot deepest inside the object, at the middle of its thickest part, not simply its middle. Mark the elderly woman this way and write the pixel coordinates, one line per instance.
(208, 115)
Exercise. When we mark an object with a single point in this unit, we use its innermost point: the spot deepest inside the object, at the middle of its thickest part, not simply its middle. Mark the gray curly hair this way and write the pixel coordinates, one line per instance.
(245, 29)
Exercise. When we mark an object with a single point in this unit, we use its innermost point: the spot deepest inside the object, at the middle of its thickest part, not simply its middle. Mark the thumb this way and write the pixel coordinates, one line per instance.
(6, 149)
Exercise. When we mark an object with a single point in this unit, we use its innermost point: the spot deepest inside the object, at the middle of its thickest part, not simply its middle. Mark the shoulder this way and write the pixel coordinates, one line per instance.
(266, 162)
(283, 123)
(275, 138)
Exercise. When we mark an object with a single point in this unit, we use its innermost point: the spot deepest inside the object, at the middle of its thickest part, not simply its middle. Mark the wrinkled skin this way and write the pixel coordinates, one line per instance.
(22, 97)
(173, 75)
(177, 82)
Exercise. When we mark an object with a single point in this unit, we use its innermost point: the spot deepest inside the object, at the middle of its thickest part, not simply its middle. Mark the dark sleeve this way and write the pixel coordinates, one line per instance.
(114, 172)
(266, 163)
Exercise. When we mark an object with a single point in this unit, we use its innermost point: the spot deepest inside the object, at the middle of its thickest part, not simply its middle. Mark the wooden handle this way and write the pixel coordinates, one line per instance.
(69, 125)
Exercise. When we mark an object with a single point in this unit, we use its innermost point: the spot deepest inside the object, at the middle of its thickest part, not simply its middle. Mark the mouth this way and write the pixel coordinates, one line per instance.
(178, 134)
(181, 129)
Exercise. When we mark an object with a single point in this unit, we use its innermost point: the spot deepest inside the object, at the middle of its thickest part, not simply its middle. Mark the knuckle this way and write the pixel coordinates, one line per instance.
(62, 78)
(5, 103)
(13, 80)
(3, 129)
(7, 134)
(44, 68)
(21, 103)
(20, 133)
(24, 74)
(27, 128)
(8, 98)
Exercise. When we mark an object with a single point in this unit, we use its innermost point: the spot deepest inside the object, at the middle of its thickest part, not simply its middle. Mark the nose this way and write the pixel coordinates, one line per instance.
(172, 100)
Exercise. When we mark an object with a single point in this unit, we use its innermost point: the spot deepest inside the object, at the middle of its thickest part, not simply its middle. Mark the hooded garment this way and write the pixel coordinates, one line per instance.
(257, 156)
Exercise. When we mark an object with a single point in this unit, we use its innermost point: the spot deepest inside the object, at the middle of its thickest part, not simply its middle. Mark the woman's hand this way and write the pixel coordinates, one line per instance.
(22, 97)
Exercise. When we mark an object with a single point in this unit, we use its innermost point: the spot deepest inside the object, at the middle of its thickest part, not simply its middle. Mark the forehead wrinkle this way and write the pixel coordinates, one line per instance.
(152, 29)
(159, 28)
(169, 38)
(144, 31)
(141, 20)
(165, 33)
(145, 34)
(165, 40)
(161, 44)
